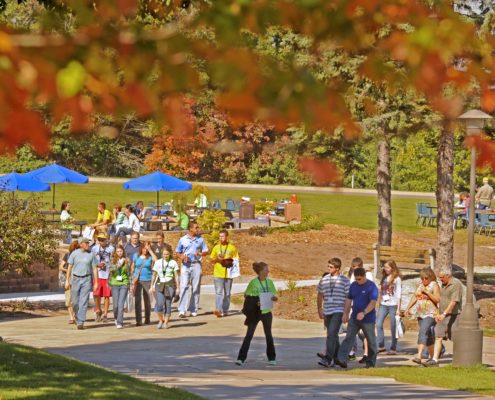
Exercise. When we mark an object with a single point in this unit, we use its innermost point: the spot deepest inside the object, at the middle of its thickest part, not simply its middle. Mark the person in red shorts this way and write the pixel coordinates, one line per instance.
(103, 252)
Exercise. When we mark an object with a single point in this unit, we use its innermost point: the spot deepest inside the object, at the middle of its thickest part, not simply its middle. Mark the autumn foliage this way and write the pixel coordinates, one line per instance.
(110, 60)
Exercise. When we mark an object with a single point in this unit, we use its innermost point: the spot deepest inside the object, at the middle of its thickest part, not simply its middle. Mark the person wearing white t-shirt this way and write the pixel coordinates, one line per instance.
(389, 300)
(132, 224)
(165, 285)
(103, 253)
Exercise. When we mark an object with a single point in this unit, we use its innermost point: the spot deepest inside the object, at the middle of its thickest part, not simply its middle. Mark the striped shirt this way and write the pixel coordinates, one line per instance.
(334, 291)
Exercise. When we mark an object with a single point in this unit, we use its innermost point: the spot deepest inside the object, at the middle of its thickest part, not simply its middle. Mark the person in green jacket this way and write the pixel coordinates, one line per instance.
(265, 290)
(119, 281)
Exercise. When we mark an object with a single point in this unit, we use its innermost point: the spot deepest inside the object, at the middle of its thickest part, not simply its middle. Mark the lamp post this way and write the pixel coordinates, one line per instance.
(468, 337)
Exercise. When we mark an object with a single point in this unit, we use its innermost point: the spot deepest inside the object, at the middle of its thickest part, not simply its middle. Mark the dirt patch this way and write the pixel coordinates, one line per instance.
(15, 310)
(304, 254)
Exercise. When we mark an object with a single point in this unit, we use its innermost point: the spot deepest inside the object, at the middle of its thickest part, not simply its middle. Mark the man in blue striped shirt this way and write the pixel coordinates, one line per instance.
(332, 294)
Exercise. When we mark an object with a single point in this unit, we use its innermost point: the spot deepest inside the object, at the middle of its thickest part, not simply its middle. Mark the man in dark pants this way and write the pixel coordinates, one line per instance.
(332, 294)
(363, 295)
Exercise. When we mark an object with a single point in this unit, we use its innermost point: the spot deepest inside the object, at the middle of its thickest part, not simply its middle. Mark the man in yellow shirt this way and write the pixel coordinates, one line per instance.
(223, 255)
(103, 220)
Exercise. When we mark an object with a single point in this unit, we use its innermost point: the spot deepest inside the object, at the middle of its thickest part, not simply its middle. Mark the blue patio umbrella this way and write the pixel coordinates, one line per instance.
(156, 182)
(54, 174)
(17, 182)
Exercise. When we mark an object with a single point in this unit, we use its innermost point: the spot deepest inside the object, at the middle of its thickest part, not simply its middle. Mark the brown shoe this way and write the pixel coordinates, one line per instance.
(217, 313)
(80, 327)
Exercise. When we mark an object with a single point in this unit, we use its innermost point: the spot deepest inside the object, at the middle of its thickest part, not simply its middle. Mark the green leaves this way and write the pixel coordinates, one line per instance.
(71, 79)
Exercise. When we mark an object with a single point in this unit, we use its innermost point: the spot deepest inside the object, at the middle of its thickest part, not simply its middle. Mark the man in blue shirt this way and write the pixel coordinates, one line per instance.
(190, 249)
(363, 295)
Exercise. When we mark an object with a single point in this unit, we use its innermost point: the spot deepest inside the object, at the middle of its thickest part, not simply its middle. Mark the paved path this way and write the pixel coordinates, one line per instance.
(288, 188)
(198, 354)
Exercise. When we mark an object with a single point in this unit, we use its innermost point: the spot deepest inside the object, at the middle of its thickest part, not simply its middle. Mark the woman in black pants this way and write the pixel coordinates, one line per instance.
(259, 292)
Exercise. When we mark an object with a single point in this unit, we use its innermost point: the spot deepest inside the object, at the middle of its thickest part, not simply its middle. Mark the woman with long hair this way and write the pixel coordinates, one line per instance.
(119, 281)
(62, 276)
(67, 221)
(141, 278)
(389, 301)
(165, 285)
(426, 299)
(255, 312)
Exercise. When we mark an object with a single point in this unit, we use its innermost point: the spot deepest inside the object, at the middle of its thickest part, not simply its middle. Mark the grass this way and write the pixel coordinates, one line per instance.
(478, 379)
(488, 332)
(26, 372)
(350, 210)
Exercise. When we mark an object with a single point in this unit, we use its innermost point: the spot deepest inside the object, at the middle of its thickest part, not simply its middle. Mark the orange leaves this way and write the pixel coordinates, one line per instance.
(178, 115)
(23, 126)
(488, 100)
(322, 172)
(485, 149)
(138, 97)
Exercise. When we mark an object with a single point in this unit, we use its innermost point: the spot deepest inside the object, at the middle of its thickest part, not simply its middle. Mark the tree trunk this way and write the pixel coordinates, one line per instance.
(384, 188)
(445, 198)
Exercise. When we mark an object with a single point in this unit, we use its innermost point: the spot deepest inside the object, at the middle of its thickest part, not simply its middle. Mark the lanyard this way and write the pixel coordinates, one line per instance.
(333, 283)
(265, 290)
(164, 269)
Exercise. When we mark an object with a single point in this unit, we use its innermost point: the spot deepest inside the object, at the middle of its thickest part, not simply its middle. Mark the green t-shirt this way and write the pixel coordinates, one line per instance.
(255, 287)
(183, 220)
(117, 270)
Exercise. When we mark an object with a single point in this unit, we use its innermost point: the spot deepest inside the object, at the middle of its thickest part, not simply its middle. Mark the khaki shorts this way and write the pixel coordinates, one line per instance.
(68, 298)
(443, 328)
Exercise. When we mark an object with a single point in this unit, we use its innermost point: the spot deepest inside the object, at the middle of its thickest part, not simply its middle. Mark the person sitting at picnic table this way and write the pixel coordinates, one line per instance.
(461, 207)
(103, 220)
(182, 221)
(484, 195)
(67, 221)
(119, 218)
(139, 209)
(201, 201)
(131, 225)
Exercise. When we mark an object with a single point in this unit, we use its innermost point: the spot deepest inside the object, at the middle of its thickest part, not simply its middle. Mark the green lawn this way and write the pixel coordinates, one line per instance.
(26, 372)
(351, 210)
(477, 379)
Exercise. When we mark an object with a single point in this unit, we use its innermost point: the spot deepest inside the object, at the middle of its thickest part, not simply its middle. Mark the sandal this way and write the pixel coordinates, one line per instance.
(391, 353)
(417, 360)
(71, 322)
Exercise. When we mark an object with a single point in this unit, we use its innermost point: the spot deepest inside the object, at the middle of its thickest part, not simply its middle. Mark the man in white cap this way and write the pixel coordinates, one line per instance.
(80, 279)
(484, 195)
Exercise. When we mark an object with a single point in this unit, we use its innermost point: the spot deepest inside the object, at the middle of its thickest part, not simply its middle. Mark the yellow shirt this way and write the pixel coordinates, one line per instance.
(228, 251)
(105, 216)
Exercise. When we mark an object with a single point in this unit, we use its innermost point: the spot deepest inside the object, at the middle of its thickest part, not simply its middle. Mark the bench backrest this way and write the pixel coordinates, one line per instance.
(406, 255)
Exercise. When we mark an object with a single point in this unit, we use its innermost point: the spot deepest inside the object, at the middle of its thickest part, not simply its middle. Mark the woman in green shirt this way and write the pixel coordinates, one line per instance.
(264, 289)
(119, 281)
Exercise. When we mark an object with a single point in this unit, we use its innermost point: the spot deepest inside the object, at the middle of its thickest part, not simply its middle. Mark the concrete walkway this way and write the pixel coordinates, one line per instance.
(197, 354)
(287, 188)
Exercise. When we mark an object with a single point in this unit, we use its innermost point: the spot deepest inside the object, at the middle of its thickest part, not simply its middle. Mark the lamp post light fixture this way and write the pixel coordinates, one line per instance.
(468, 336)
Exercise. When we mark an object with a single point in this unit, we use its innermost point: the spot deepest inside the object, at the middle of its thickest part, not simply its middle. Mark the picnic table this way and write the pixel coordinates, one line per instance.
(50, 212)
(147, 222)
(237, 222)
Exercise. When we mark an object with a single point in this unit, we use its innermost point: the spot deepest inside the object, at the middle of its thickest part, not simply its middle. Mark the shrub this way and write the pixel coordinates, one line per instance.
(264, 207)
(291, 285)
(312, 222)
(25, 235)
(258, 230)
(213, 221)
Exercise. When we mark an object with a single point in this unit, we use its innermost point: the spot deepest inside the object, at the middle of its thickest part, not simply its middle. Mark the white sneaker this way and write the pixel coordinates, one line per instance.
(119, 326)
(194, 314)
(160, 325)
(166, 326)
(182, 315)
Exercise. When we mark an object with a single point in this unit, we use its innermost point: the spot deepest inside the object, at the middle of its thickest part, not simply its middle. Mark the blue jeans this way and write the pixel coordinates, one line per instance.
(383, 311)
(190, 277)
(123, 232)
(353, 328)
(333, 323)
(81, 289)
(425, 333)
(119, 297)
(223, 287)
(164, 299)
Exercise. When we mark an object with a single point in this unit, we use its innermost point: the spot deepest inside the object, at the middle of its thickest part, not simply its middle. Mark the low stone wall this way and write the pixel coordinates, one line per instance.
(43, 278)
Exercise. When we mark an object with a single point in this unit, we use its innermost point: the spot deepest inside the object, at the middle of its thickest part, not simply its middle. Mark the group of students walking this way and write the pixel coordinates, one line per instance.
(146, 273)
(352, 300)
(150, 272)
